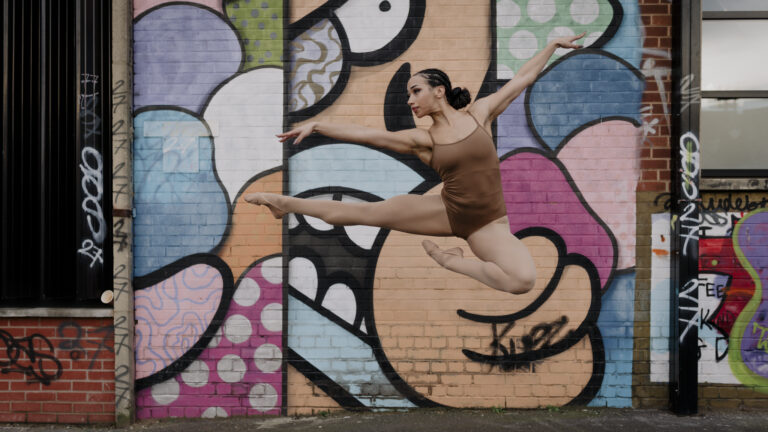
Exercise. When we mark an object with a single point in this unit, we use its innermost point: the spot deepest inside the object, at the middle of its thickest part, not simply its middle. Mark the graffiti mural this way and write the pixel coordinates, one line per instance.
(731, 247)
(371, 322)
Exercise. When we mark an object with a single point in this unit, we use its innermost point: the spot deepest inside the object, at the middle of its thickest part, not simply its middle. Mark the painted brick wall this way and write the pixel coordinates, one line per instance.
(57, 370)
(300, 316)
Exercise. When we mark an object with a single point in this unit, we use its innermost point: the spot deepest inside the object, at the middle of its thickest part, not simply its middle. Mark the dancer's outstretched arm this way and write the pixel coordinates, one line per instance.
(491, 106)
(408, 141)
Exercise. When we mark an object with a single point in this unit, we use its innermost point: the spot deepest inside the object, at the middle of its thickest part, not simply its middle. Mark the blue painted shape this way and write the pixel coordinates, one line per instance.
(616, 324)
(181, 208)
(512, 130)
(627, 43)
(181, 54)
(352, 166)
(582, 88)
(341, 356)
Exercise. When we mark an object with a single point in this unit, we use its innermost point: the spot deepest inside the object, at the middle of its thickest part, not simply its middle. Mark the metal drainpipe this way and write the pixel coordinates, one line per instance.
(686, 199)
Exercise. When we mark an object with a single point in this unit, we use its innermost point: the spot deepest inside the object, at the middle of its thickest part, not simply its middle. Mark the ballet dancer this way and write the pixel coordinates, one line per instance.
(459, 146)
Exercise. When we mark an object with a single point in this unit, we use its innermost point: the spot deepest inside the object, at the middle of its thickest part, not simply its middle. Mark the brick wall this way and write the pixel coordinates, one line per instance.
(57, 370)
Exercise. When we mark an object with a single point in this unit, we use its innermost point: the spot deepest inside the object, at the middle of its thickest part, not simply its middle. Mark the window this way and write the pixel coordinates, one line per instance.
(734, 88)
(55, 181)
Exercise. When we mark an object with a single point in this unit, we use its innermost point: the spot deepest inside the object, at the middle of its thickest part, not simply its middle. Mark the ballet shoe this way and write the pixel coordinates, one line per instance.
(441, 256)
(260, 198)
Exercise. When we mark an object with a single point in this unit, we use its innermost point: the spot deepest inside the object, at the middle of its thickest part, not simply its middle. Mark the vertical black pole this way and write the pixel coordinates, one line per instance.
(685, 312)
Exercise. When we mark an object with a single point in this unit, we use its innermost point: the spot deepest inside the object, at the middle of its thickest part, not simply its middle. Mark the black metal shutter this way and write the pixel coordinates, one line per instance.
(56, 169)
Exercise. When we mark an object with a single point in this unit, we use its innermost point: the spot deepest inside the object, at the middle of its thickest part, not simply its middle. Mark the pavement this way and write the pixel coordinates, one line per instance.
(440, 420)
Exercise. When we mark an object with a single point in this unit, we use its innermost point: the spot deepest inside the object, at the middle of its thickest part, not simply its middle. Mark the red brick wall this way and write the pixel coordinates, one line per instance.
(656, 105)
(57, 370)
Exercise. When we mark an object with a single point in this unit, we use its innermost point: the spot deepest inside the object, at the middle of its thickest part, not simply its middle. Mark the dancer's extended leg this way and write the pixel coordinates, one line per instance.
(504, 261)
(416, 214)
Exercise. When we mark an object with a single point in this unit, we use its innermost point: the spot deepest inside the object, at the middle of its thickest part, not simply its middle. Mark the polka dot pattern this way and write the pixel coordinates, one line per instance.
(243, 363)
(260, 27)
(523, 27)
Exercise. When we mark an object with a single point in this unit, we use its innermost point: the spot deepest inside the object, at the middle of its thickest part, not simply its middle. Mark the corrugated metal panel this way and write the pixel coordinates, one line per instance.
(56, 152)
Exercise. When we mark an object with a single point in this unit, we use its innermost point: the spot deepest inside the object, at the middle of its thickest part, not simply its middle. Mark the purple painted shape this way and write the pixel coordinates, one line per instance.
(181, 54)
(232, 397)
(753, 242)
(538, 194)
(512, 131)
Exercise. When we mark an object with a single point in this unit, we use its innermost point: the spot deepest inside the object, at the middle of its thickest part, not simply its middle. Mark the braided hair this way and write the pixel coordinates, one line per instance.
(457, 97)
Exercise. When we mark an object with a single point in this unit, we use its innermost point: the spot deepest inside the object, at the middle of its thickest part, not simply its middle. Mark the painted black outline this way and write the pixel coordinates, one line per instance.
(582, 51)
(595, 383)
(228, 289)
(397, 113)
(564, 171)
(215, 89)
(336, 392)
(389, 52)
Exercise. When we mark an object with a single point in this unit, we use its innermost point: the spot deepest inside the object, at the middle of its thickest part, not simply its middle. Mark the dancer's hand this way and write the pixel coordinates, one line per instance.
(568, 41)
(299, 133)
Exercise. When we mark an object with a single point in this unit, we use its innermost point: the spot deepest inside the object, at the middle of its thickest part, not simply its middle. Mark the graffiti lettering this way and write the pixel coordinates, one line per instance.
(90, 250)
(74, 343)
(120, 237)
(685, 311)
(534, 345)
(689, 94)
(762, 342)
(689, 161)
(24, 357)
(122, 385)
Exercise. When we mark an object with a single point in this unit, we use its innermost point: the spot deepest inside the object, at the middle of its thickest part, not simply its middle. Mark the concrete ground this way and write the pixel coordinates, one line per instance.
(563, 419)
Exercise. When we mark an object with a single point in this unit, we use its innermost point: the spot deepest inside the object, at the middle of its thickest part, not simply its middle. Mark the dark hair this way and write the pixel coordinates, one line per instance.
(457, 97)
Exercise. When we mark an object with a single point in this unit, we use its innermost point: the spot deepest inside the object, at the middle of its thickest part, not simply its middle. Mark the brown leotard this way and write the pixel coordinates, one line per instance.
(472, 191)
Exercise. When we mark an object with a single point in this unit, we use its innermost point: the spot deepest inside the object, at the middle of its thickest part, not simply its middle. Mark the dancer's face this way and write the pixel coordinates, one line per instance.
(423, 98)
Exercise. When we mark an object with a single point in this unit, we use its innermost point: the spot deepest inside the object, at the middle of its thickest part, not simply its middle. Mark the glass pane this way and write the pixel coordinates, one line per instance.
(733, 55)
(734, 5)
(734, 134)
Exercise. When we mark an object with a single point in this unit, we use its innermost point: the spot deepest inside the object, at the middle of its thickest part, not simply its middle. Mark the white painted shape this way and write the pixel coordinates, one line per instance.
(508, 14)
(585, 11)
(272, 270)
(719, 224)
(247, 293)
(268, 357)
(316, 223)
(237, 329)
(341, 301)
(363, 328)
(367, 27)
(272, 317)
(263, 397)
(293, 222)
(231, 368)
(590, 39)
(213, 412)
(165, 392)
(541, 11)
(302, 275)
(216, 339)
(557, 33)
(196, 374)
(523, 45)
(504, 72)
(248, 111)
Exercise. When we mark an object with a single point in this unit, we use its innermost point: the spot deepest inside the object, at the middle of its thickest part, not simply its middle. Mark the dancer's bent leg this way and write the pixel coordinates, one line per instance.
(504, 261)
(416, 214)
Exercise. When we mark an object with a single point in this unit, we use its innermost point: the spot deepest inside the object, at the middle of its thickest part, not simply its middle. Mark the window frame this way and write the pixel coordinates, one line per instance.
(732, 94)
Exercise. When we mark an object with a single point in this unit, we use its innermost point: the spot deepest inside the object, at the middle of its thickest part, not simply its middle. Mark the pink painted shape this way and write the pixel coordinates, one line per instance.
(604, 162)
(537, 194)
(172, 316)
(231, 397)
(140, 6)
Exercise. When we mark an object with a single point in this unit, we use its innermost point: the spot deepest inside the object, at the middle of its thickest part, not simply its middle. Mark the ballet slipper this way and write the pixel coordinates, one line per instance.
(260, 198)
(442, 257)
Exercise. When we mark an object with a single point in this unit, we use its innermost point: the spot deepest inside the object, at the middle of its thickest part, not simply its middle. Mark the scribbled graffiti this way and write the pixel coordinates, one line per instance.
(724, 288)
(205, 121)
(32, 356)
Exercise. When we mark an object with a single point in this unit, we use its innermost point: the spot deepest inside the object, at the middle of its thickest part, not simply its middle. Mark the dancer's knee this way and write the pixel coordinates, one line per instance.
(519, 283)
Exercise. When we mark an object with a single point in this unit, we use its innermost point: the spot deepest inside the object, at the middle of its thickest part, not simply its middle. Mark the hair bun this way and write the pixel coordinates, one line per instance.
(459, 97)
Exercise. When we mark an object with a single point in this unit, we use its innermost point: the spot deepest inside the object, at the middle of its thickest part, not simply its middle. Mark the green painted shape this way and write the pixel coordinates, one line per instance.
(259, 25)
(561, 19)
(740, 370)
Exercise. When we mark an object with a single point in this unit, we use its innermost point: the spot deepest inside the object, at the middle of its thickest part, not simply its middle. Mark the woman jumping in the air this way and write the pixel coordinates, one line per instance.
(459, 147)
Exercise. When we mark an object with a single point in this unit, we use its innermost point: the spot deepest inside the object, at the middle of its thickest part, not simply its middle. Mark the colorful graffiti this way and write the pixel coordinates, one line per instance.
(731, 250)
(370, 321)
